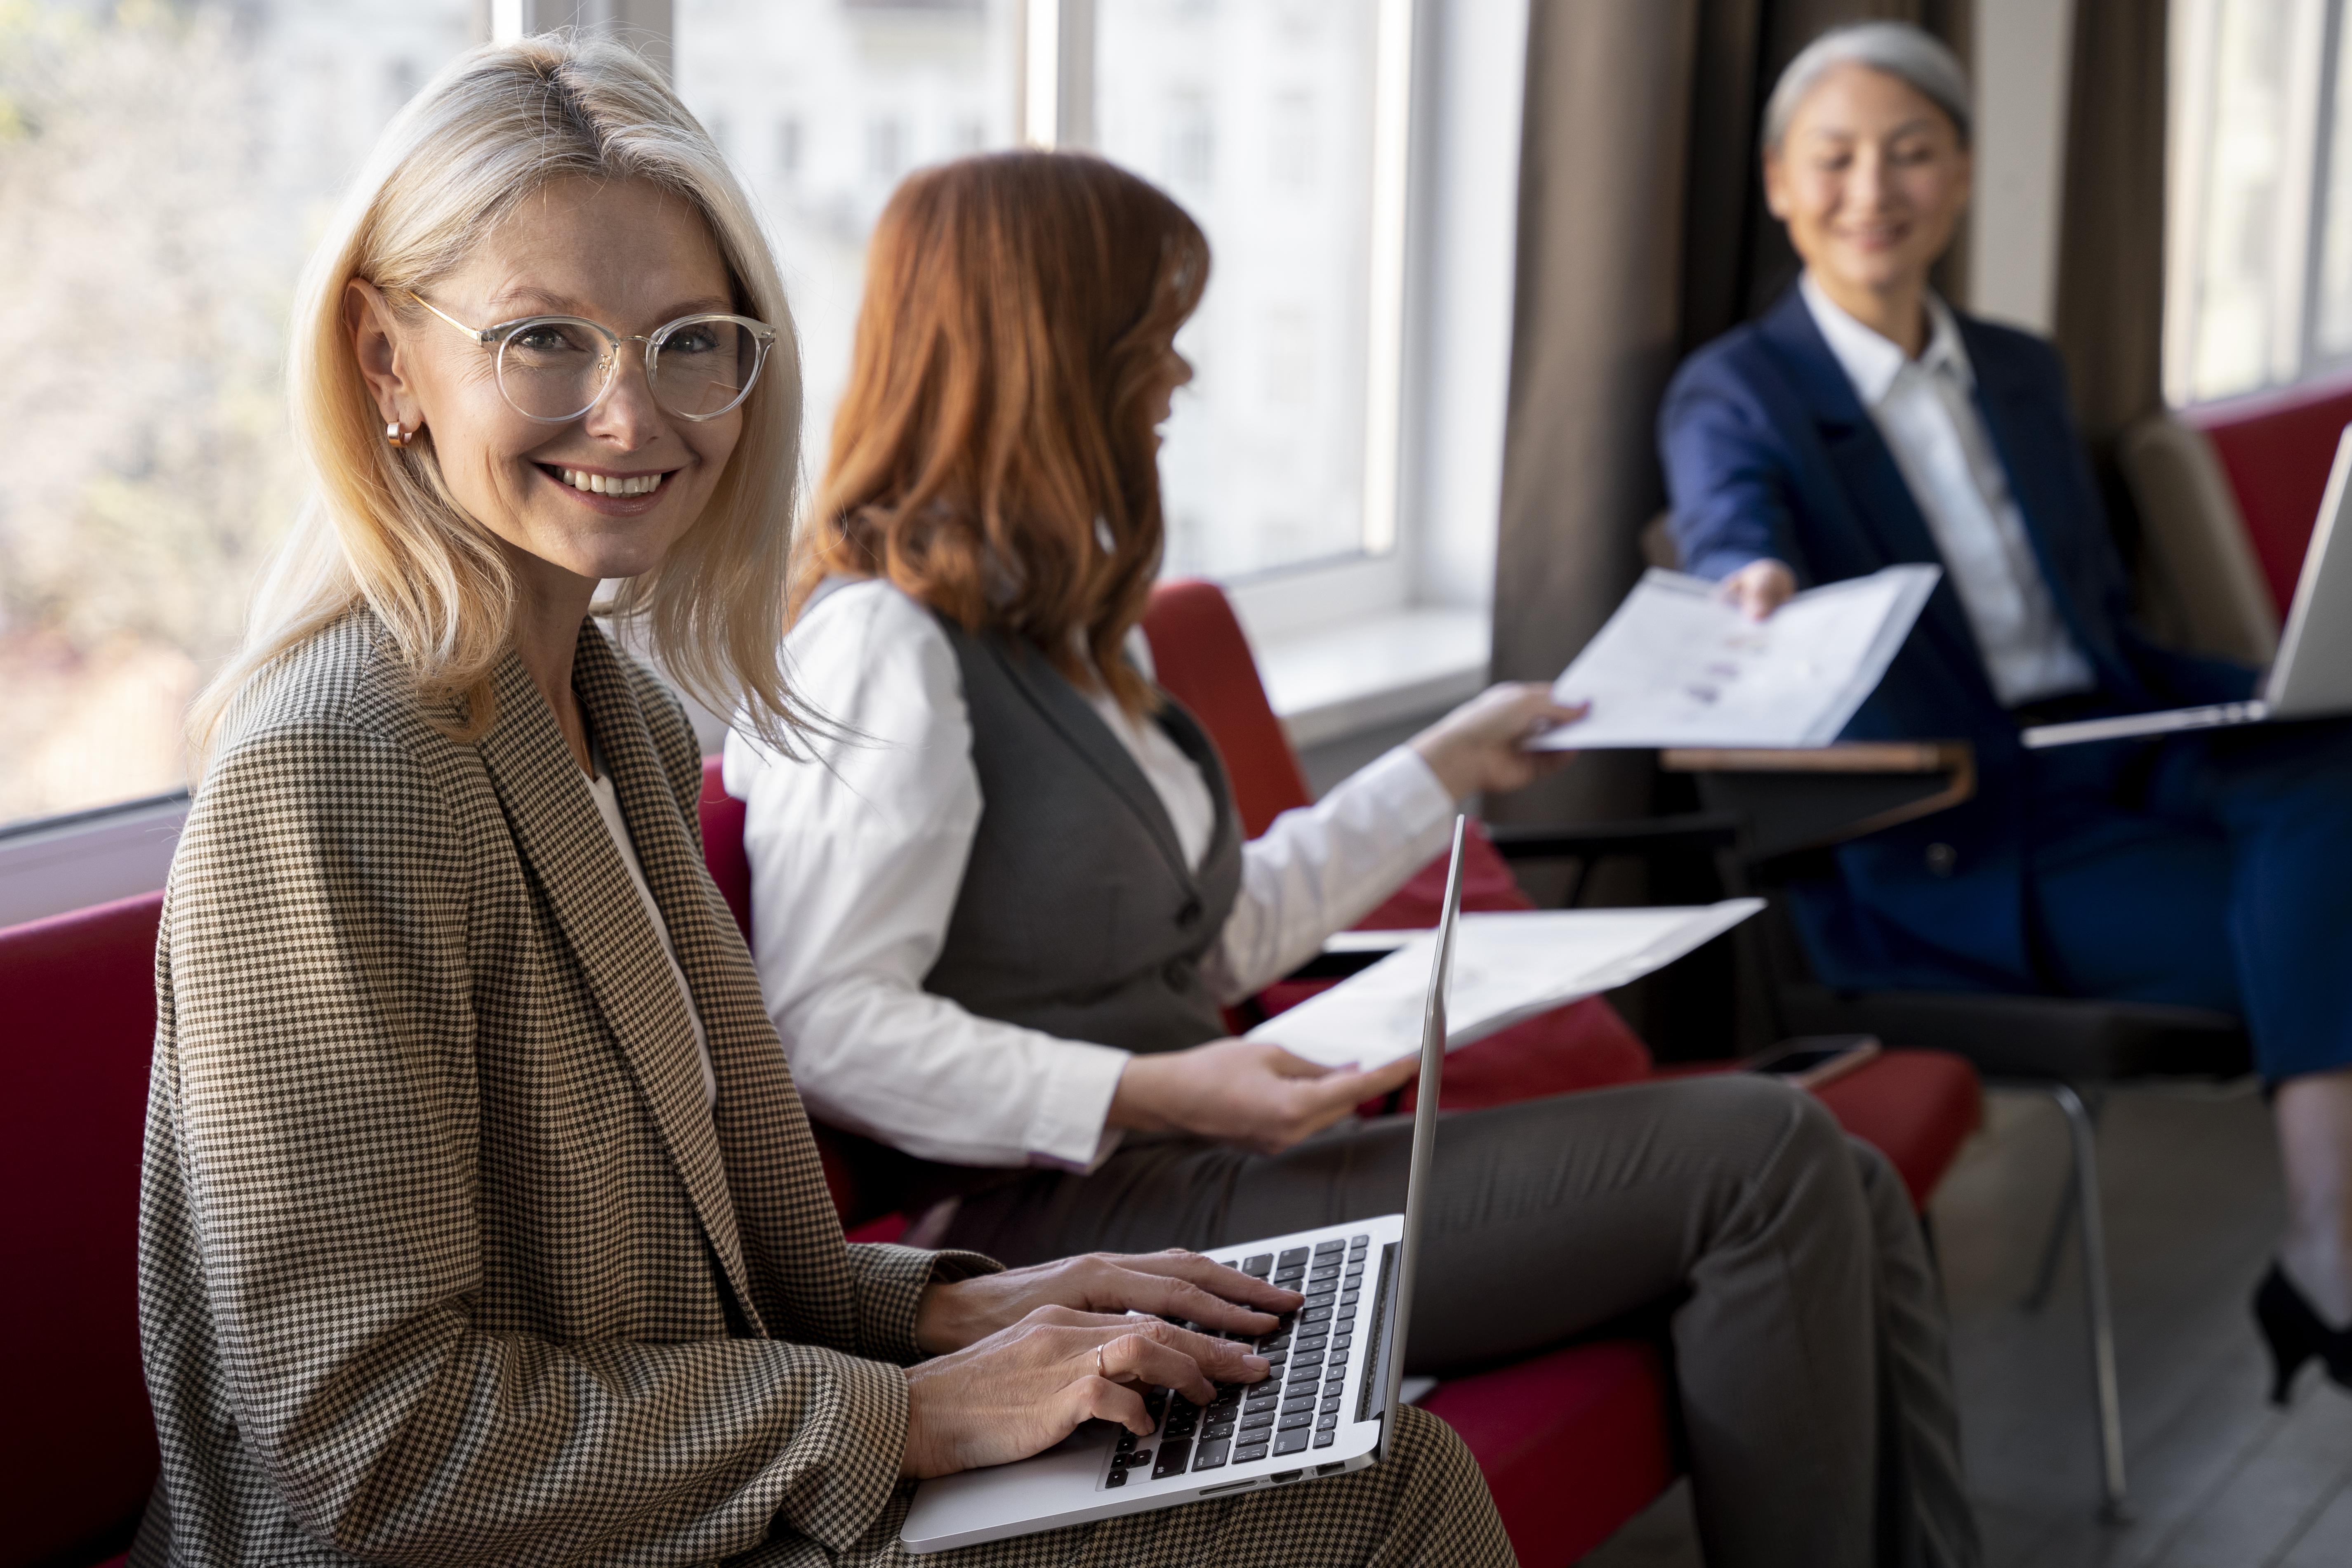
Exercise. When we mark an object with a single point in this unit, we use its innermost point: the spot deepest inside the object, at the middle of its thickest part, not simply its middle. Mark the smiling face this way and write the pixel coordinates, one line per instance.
(607, 494)
(1871, 179)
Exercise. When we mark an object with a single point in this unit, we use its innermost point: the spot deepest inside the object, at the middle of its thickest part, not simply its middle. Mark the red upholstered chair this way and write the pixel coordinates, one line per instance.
(865, 1215)
(1917, 1106)
(78, 1448)
(1572, 1443)
(77, 1455)
(1200, 656)
(2277, 448)
(1595, 1413)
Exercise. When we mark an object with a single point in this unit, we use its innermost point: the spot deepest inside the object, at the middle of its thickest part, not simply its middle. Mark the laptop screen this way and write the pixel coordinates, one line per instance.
(1424, 1129)
(2313, 673)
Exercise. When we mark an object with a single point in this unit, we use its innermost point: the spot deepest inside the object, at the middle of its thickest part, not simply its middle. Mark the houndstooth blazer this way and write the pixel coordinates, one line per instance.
(444, 1255)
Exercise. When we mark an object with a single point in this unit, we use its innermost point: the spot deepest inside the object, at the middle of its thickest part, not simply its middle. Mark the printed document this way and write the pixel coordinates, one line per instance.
(1507, 966)
(1677, 665)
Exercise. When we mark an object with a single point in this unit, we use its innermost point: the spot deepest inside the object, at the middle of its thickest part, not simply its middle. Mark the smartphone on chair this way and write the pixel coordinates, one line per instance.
(1812, 1060)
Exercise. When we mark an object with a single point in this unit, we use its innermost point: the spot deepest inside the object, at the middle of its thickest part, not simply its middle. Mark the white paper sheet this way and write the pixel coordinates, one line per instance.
(1506, 967)
(1677, 665)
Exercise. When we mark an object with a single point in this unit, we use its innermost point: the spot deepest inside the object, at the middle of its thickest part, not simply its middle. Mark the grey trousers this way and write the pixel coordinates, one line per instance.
(1810, 1341)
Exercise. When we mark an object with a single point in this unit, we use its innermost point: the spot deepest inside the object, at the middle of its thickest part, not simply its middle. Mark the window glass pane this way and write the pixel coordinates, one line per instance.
(823, 105)
(163, 168)
(2236, 281)
(1258, 116)
(2332, 308)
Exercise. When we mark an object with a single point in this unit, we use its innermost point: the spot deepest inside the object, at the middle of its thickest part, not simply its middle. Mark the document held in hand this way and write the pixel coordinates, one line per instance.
(1678, 666)
(1506, 967)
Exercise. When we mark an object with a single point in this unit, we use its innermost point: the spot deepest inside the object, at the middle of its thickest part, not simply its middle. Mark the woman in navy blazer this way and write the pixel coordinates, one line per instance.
(1861, 423)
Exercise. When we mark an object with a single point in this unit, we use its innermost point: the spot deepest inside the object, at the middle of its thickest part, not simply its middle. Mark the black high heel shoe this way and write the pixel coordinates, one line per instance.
(2295, 1333)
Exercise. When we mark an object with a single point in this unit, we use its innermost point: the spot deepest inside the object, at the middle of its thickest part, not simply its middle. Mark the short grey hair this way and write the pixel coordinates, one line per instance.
(1911, 55)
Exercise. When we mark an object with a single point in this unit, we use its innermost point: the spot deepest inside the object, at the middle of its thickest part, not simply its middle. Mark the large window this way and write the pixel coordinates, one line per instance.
(166, 167)
(1264, 118)
(2259, 285)
(823, 105)
(163, 168)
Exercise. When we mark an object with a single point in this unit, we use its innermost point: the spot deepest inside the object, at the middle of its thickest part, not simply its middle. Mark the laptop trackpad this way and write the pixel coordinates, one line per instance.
(1038, 1488)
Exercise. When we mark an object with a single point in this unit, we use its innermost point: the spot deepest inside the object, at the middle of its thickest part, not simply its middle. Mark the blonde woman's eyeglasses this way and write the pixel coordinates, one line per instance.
(555, 369)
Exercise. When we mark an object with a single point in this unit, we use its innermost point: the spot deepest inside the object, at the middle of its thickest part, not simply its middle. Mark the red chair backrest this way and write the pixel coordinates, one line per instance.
(78, 1446)
(722, 852)
(722, 846)
(2276, 449)
(78, 1453)
(1200, 657)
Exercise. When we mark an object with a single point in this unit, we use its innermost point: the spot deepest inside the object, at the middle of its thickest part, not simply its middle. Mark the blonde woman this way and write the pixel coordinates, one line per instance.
(481, 1220)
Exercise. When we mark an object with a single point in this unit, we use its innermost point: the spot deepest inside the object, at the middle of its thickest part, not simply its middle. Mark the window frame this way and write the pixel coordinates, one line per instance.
(1425, 564)
(1056, 96)
(57, 863)
(2315, 96)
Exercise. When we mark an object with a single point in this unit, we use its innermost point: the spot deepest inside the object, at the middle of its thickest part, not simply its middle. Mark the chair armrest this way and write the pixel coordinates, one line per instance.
(1693, 832)
(1798, 802)
(1844, 757)
(1697, 833)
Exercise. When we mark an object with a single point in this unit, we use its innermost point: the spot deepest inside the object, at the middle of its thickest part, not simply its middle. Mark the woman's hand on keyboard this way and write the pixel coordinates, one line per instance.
(1172, 1284)
(1249, 1092)
(1024, 1388)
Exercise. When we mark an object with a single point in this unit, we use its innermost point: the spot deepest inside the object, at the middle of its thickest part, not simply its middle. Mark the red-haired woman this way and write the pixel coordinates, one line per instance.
(994, 924)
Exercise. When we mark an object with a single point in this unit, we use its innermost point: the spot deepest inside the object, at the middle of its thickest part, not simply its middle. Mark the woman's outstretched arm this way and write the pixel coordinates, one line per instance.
(1322, 868)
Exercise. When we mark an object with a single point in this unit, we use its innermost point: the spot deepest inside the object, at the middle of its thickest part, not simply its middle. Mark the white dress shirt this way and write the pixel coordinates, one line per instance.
(1927, 410)
(857, 859)
(617, 827)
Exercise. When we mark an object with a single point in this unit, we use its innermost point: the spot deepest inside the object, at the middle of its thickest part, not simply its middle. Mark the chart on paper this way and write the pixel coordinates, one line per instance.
(1678, 666)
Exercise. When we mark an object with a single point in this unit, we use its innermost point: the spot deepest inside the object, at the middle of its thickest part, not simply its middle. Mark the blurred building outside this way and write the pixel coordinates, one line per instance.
(166, 167)
(164, 170)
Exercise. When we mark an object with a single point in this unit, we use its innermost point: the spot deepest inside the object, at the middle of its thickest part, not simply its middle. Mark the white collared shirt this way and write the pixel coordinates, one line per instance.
(1927, 411)
(857, 860)
(617, 827)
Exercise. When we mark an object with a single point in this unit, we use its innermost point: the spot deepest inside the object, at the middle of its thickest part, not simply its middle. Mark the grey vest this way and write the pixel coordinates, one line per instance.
(1077, 914)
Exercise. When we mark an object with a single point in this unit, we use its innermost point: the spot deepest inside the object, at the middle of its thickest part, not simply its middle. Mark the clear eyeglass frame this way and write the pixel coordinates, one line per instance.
(501, 335)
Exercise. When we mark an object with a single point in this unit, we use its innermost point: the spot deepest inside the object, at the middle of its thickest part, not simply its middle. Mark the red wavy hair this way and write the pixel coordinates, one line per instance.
(994, 453)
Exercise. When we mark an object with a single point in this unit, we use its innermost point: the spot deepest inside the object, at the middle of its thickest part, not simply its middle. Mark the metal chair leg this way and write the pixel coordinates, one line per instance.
(2115, 1506)
(2053, 1245)
(2062, 1217)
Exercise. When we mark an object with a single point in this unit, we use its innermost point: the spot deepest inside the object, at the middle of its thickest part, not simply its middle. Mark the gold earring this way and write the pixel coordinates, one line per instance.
(392, 433)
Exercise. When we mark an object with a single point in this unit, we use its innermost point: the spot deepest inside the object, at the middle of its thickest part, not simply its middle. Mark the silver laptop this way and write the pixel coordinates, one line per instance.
(1321, 1411)
(2311, 677)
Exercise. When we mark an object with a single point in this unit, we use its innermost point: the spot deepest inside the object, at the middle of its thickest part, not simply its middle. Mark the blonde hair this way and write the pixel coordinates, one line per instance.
(381, 528)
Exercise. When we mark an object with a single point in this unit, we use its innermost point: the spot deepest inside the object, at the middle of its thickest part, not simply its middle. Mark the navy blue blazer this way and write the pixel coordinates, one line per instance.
(1768, 452)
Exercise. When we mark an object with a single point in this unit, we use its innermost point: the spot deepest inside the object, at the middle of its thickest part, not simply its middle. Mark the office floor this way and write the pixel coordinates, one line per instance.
(2219, 1479)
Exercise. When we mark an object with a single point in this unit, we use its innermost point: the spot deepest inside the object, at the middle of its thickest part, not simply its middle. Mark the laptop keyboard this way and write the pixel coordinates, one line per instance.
(1296, 1408)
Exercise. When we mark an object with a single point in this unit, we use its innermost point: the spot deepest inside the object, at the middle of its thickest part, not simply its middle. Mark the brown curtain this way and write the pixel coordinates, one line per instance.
(2110, 306)
(1596, 331)
(1641, 235)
